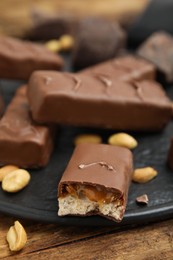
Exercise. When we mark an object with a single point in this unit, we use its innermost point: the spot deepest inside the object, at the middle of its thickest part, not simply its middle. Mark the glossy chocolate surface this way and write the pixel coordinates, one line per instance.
(125, 68)
(18, 59)
(23, 142)
(158, 49)
(105, 165)
(98, 101)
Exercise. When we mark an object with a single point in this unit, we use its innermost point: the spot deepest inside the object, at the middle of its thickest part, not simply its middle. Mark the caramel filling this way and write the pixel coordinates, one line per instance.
(95, 194)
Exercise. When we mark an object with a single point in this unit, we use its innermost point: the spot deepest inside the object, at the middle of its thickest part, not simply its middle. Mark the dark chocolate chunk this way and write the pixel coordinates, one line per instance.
(97, 40)
(158, 49)
(143, 199)
(23, 142)
(18, 59)
(47, 28)
(96, 181)
(127, 68)
(98, 101)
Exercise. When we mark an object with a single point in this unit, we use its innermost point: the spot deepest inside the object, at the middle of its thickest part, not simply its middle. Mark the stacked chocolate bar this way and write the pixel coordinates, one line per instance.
(23, 142)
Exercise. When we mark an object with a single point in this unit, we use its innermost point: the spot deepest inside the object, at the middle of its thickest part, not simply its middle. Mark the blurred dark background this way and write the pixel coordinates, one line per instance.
(20, 18)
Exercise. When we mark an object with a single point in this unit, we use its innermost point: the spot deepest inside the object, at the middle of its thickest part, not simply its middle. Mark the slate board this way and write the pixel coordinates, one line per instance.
(38, 201)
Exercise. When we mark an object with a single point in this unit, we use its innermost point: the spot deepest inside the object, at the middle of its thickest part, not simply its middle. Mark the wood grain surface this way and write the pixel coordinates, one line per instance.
(16, 15)
(49, 241)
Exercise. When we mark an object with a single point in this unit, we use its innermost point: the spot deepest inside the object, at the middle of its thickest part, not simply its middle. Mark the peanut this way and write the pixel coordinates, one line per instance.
(123, 139)
(87, 138)
(143, 175)
(53, 45)
(66, 42)
(6, 169)
(15, 180)
(16, 237)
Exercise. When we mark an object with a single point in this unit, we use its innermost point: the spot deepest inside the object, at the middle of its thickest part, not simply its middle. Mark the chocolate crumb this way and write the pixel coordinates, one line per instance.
(143, 199)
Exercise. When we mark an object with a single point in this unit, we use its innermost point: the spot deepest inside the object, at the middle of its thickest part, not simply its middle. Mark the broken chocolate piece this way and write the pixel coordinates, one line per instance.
(97, 40)
(23, 142)
(18, 59)
(126, 68)
(98, 101)
(96, 181)
(158, 49)
(143, 199)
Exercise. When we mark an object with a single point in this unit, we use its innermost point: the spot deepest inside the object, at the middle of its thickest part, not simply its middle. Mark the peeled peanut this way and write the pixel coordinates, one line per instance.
(66, 42)
(16, 237)
(53, 45)
(143, 175)
(123, 139)
(6, 169)
(87, 138)
(15, 180)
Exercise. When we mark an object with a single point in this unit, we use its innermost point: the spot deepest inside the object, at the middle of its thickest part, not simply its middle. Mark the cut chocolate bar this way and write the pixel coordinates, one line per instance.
(97, 40)
(158, 49)
(125, 68)
(96, 181)
(98, 101)
(23, 142)
(18, 59)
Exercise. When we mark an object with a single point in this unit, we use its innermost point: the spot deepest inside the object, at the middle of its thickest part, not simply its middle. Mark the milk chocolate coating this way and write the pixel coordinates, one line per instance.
(96, 175)
(18, 59)
(97, 40)
(125, 68)
(158, 49)
(23, 142)
(98, 101)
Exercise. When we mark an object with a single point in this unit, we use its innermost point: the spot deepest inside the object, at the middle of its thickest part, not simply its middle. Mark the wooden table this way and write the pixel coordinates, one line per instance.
(49, 241)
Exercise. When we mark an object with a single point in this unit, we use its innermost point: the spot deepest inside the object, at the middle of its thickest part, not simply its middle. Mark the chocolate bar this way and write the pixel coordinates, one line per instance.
(23, 142)
(96, 181)
(126, 68)
(98, 101)
(97, 40)
(18, 59)
(158, 49)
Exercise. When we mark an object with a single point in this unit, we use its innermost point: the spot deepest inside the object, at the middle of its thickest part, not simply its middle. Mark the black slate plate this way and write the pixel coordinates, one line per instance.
(38, 200)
